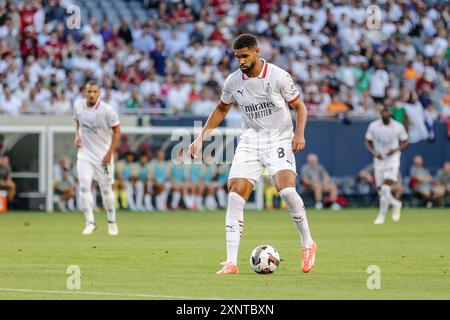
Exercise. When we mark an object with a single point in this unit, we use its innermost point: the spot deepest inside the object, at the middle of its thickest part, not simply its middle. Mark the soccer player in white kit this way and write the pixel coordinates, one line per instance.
(97, 134)
(385, 138)
(263, 93)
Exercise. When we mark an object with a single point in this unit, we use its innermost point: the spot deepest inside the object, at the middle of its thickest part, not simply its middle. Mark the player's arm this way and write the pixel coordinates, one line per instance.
(117, 133)
(214, 119)
(77, 135)
(369, 145)
(301, 114)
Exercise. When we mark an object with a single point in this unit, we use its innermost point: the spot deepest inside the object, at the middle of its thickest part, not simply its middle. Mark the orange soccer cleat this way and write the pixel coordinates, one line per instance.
(308, 258)
(228, 268)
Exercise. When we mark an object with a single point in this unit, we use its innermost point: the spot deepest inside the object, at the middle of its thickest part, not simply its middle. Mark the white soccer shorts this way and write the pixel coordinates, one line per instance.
(386, 171)
(250, 160)
(96, 171)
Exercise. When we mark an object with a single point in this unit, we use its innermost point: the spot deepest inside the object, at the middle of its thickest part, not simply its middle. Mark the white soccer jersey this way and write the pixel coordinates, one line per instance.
(386, 138)
(95, 131)
(263, 101)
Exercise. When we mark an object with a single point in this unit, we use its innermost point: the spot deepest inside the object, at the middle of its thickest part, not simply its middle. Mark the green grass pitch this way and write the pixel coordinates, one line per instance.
(176, 255)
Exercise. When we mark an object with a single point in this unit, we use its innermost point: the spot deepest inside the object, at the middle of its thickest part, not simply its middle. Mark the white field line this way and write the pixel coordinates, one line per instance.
(110, 294)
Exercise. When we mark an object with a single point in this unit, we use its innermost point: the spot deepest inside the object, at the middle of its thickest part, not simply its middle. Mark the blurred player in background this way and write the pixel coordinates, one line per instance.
(126, 172)
(385, 138)
(96, 136)
(143, 184)
(194, 187)
(119, 186)
(220, 180)
(263, 93)
(6, 181)
(177, 179)
(65, 190)
(207, 175)
(159, 175)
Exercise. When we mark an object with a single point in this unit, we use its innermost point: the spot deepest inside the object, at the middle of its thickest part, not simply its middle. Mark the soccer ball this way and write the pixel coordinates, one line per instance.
(264, 259)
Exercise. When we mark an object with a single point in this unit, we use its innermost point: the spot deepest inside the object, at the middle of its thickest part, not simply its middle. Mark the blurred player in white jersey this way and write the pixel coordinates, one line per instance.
(385, 138)
(263, 93)
(96, 137)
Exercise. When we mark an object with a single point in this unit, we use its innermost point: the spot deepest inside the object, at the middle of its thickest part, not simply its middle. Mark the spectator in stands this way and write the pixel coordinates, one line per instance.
(421, 180)
(65, 189)
(321, 40)
(6, 181)
(442, 184)
(316, 179)
(159, 176)
(379, 82)
(10, 105)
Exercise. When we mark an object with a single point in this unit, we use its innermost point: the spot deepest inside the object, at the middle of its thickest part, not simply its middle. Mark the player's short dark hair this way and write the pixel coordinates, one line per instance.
(91, 82)
(245, 41)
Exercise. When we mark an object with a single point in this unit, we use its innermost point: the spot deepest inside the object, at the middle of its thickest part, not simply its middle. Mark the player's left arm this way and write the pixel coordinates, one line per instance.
(117, 133)
(291, 94)
(301, 114)
(112, 119)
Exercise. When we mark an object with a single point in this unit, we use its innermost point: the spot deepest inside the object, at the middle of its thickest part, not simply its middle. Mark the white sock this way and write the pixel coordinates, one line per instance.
(130, 194)
(160, 201)
(86, 205)
(234, 225)
(78, 197)
(139, 194)
(199, 201)
(189, 201)
(165, 195)
(221, 197)
(148, 202)
(176, 197)
(384, 204)
(71, 204)
(387, 192)
(210, 202)
(297, 209)
(108, 203)
(94, 198)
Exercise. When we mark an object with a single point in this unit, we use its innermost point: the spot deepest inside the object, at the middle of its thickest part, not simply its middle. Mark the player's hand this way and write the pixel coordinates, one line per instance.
(378, 155)
(391, 152)
(77, 142)
(107, 159)
(195, 148)
(298, 143)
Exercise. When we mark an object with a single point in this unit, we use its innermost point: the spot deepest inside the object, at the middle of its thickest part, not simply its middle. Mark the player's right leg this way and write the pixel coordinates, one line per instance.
(240, 190)
(245, 171)
(385, 177)
(86, 172)
(105, 180)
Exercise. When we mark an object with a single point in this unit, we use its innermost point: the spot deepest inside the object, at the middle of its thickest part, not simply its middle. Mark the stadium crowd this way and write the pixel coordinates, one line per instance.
(176, 61)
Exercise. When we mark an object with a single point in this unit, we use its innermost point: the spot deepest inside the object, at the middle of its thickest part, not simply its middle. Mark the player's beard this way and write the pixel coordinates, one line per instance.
(91, 103)
(249, 69)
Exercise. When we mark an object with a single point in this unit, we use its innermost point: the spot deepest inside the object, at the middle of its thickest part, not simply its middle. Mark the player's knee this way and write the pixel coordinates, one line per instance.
(292, 199)
(84, 189)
